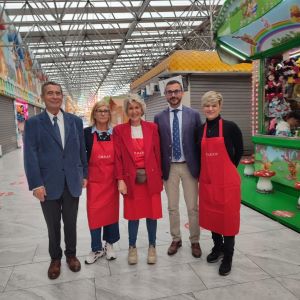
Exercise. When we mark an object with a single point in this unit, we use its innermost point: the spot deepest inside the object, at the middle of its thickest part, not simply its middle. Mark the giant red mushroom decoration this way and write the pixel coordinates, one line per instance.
(297, 187)
(249, 166)
(264, 184)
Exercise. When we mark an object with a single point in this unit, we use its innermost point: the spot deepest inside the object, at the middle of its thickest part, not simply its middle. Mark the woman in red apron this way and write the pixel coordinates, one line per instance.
(138, 170)
(102, 189)
(219, 184)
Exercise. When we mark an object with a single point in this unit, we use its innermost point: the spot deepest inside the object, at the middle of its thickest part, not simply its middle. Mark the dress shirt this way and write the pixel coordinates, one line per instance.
(60, 123)
(94, 128)
(179, 115)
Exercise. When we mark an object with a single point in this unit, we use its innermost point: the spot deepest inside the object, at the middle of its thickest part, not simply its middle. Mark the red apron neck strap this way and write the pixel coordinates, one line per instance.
(204, 131)
(220, 128)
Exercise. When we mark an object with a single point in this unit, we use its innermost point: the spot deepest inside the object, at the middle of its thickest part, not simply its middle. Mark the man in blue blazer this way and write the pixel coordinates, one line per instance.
(179, 128)
(56, 170)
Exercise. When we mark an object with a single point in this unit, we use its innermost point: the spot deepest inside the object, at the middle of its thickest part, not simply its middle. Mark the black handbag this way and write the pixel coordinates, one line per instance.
(141, 176)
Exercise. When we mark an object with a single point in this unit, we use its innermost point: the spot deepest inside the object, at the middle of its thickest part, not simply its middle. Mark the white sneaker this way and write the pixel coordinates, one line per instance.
(93, 256)
(109, 251)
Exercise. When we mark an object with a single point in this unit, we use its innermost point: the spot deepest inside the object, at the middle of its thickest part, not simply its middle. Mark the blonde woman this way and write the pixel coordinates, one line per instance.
(138, 170)
(102, 189)
(219, 184)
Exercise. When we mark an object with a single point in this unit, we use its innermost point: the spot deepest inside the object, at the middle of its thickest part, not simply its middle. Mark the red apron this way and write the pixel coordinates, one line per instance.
(141, 204)
(102, 189)
(219, 187)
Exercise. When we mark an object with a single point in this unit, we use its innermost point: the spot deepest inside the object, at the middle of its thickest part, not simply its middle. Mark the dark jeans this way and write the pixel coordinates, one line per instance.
(67, 207)
(226, 243)
(133, 227)
(110, 235)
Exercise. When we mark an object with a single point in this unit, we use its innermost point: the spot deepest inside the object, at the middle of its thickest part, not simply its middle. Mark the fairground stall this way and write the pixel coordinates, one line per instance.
(201, 71)
(268, 32)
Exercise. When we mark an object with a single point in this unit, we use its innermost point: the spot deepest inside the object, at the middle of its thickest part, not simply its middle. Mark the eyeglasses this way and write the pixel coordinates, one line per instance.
(102, 111)
(175, 92)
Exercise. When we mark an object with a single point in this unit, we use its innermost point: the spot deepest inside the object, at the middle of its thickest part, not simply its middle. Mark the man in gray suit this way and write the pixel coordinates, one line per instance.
(56, 170)
(178, 128)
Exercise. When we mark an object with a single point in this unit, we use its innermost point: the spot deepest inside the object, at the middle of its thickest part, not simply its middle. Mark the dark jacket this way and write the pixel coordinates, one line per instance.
(47, 163)
(191, 123)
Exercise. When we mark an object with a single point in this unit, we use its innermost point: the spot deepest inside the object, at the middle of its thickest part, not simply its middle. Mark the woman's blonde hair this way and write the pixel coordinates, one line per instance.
(95, 107)
(211, 97)
(130, 98)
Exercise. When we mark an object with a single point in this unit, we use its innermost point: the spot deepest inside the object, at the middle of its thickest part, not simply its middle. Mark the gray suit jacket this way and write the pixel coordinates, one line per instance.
(47, 163)
(191, 123)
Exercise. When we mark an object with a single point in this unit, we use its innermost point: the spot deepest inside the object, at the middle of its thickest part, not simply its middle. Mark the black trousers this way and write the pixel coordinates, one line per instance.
(224, 243)
(67, 208)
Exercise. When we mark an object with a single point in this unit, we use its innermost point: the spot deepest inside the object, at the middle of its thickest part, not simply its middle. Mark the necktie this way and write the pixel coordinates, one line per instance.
(176, 136)
(56, 129)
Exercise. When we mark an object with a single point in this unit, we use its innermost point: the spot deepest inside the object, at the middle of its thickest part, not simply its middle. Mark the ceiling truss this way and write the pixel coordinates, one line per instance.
(100, 46)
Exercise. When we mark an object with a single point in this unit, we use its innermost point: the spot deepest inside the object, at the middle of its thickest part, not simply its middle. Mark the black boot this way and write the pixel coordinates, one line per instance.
(215, 254)
(217, 250)
(226, 264)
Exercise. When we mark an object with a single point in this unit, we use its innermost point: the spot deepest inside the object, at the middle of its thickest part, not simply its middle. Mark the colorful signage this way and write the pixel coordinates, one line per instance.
(256, 28)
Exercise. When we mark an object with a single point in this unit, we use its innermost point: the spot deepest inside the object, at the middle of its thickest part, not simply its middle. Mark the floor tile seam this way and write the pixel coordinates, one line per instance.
(50, 284)
(197, 276)
(36, 248)
(263, 231)
(182, 294)
(135, 270)
(261, 268)
(259, 255)
(238, 283)
(12, 270)
(38, 262)
(266, 250)
(286, 275)
(95, 288)
(286, 288)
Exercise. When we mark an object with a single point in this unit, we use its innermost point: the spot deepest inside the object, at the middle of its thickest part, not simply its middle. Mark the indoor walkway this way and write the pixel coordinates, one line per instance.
(266, 262)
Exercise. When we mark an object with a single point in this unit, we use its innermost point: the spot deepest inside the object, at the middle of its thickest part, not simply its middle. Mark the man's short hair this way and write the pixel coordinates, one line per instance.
(50, 83)
(174, 82)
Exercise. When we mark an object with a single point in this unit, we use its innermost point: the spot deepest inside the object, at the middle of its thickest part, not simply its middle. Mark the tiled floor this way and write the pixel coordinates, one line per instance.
(266, 262)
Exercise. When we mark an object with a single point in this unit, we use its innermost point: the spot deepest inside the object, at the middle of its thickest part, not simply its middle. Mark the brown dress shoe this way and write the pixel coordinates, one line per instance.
(54, 269)
(174, 247)
(73, 263)
(196, 250)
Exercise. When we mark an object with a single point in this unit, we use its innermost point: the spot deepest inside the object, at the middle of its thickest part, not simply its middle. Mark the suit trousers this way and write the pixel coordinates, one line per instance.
(179, 172)
(67, 208)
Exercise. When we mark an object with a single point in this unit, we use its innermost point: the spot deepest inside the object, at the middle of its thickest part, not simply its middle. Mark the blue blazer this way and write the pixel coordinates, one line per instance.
(47, 163)
(191, 123)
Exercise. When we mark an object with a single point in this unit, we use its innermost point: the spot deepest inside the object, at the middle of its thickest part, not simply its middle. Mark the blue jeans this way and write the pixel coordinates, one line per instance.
(133, 227)
(110, 235)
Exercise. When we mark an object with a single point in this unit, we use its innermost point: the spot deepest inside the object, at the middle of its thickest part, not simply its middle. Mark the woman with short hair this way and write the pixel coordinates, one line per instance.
(138, 170)
(221, 149)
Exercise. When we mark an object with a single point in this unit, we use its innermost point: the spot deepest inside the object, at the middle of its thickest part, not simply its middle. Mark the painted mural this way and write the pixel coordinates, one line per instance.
(16, 62)
(285, 162)
(255, 26)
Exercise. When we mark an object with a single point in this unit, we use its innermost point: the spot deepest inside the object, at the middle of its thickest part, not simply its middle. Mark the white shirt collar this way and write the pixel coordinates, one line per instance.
(179, 107)
(59, 115)
(109, 131)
